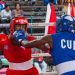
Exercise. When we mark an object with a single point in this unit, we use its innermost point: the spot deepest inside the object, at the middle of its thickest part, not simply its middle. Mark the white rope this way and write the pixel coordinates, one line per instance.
(40, 54)
(35, 55)
(30, 24)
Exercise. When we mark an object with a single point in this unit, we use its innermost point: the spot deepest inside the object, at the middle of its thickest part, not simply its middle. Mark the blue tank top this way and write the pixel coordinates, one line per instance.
(63, 53)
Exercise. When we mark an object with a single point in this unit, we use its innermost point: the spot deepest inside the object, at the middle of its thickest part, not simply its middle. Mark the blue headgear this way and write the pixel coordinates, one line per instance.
(66, 23)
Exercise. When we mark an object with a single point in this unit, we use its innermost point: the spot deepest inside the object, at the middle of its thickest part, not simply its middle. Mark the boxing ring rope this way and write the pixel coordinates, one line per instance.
(34, 25)
(41, 54)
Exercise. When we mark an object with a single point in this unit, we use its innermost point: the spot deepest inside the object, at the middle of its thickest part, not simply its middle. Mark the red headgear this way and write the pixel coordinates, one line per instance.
(17, 21)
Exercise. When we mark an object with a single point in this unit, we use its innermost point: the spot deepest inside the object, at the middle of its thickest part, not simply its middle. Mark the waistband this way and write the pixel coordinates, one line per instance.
(21, 66)
(65, 67)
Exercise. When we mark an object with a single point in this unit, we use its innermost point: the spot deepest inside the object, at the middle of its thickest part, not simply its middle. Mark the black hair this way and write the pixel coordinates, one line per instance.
(6, 5)
(16, 4)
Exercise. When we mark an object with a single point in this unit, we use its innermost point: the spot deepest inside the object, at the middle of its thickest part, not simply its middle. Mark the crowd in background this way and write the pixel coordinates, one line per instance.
(7, 14)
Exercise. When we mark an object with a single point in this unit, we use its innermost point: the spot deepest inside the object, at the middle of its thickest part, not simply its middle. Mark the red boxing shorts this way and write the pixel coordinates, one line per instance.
(32, 71)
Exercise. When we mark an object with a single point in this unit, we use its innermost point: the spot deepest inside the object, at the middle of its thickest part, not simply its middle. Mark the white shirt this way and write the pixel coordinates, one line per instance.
(5, 14)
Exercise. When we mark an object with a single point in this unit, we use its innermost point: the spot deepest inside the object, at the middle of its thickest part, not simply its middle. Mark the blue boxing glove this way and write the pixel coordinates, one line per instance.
(19, 35)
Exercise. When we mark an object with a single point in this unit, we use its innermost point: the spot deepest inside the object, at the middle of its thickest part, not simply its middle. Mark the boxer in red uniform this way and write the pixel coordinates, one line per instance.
(19, 57)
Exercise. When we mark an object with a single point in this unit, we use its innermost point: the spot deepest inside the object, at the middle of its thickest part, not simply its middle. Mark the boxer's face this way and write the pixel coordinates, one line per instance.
(21, 27)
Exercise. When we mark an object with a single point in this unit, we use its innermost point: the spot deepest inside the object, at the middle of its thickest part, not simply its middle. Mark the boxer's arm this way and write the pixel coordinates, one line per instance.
(44, 48)
(38, 43)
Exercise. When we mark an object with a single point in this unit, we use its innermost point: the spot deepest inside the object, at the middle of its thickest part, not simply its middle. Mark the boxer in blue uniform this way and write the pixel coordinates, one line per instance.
(62, 46)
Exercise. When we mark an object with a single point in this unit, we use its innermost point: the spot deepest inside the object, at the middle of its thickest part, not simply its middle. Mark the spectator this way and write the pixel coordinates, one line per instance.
(5, 18)
(17, 11)
(64, 9)
(33, 2)
(47, 1)
(6, 14)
